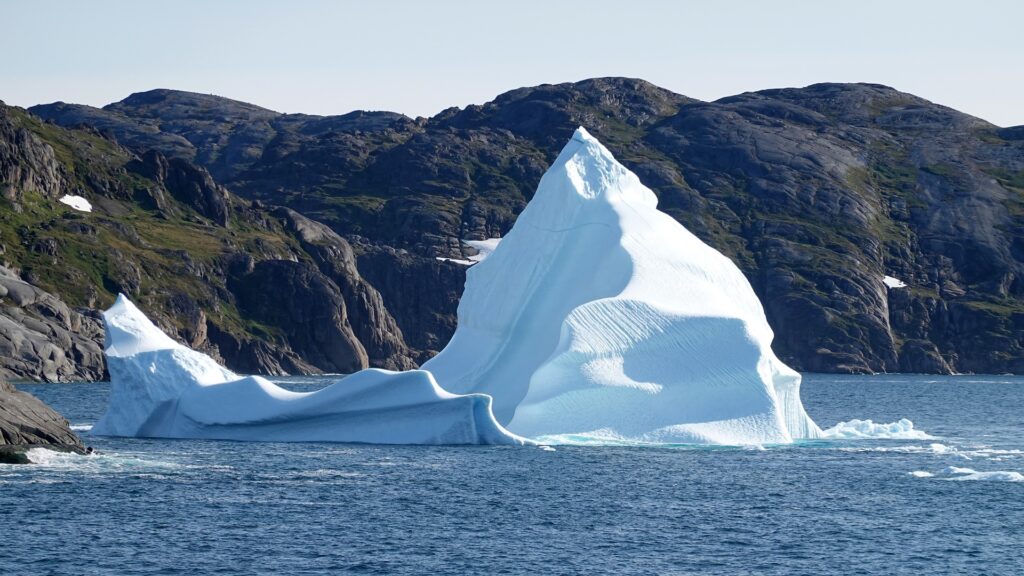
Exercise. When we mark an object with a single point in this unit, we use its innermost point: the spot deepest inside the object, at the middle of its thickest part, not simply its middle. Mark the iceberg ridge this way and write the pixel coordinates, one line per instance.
(160, 388)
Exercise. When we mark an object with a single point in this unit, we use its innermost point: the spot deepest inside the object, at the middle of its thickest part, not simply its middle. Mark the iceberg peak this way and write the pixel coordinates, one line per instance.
(130, 332)
(598, 312)
(581, 135)
(581, 186)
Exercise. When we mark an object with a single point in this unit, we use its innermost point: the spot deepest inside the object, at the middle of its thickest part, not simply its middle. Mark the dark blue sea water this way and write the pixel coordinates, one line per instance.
(839, 507)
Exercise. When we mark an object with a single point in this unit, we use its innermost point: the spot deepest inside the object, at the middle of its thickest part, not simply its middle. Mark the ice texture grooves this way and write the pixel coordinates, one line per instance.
(160, 388)
(599, 314)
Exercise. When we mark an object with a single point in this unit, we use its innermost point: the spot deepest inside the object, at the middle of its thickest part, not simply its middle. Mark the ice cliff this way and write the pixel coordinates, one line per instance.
(596, 317)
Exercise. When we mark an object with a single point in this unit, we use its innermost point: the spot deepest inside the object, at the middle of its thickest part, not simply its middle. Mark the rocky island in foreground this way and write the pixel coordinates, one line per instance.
(26, 423)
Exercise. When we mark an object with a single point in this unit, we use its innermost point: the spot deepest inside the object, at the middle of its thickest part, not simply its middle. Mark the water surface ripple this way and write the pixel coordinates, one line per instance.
(948, 504)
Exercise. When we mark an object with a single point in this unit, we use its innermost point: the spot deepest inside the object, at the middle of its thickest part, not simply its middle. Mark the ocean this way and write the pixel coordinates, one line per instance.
(945, 497)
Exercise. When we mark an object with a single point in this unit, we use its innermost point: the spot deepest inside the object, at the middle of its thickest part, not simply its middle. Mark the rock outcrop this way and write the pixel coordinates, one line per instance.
(42, 338)
(375, 328)
(26, 162)
(26, 422)
(190, 184)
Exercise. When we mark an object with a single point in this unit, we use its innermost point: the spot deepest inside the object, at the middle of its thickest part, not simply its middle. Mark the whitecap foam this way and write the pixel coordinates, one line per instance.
(957, 470)
(326, 474)
(902, 429)
(992, 476)
(960, 474)
(602, 437)
(996, 452)
(52, 458)
(94, 463)
(81, 427)
(968, 474)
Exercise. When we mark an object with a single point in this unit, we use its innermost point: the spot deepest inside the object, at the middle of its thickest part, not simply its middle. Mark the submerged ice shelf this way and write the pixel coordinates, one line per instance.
(596, 316)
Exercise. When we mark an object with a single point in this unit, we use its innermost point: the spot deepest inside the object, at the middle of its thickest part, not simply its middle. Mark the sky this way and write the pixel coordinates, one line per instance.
(418, 58)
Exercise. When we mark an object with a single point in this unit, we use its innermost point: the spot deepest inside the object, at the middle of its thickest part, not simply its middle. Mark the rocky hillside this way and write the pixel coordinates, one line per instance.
(263, 288)
(818, 193)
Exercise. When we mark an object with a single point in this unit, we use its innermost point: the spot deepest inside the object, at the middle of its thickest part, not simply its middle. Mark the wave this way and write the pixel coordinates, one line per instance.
(958, 474)
(969, 474)
(95, 463)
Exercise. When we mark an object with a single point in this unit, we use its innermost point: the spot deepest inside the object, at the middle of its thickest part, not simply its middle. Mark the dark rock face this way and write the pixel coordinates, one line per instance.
(422, 293)
(816, 193)
(188, 183)
(373, 324)
(26, 162)
(308, 307)
(25, 422)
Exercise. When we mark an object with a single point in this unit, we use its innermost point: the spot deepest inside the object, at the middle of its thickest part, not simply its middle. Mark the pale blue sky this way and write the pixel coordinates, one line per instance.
(325, 57)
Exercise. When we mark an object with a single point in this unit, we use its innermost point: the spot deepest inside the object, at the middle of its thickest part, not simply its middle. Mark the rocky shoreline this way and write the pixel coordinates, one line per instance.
(26, 423)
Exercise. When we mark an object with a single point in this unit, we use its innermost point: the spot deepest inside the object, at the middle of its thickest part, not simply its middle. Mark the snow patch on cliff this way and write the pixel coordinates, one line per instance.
(893, 282)
(77, 202)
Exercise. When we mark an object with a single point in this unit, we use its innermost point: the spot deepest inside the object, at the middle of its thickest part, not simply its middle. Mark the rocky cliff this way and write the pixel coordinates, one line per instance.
(264, 289)
(818, 193)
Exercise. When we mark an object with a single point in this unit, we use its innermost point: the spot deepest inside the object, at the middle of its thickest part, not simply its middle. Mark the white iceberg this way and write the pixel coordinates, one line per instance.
(597, 317)
(160, 388)
(597, 313)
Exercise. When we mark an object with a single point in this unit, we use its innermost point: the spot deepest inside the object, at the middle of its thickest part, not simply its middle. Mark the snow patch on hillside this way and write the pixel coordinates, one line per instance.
(484, 248)
(893, 282)
(77, 202)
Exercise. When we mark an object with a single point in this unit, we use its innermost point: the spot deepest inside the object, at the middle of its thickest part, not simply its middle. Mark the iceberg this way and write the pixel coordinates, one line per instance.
(160, 388)
(598, 314)
(597, 318)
